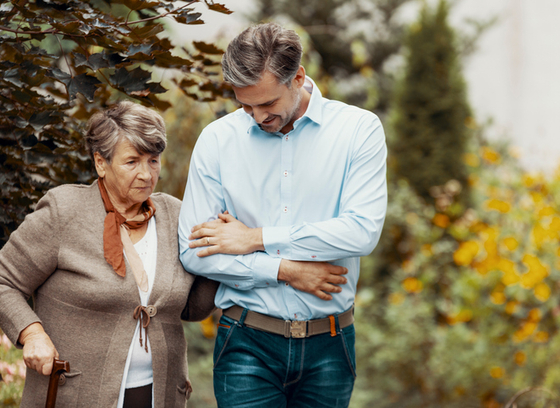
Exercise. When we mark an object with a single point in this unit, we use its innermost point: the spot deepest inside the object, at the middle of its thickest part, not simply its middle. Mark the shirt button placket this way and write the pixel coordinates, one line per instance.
(286, 181)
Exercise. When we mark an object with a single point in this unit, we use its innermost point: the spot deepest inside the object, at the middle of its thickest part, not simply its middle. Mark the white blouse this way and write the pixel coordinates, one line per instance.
(138, 368)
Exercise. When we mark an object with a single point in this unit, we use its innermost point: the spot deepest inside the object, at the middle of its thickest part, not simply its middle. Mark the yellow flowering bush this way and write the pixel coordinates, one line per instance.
(456, 306)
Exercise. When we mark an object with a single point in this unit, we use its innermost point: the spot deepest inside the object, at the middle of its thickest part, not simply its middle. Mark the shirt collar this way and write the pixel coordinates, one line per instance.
(313, 111)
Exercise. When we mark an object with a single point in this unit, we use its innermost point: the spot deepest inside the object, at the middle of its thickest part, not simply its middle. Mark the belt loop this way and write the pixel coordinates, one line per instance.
(337, 323)
(243, 316)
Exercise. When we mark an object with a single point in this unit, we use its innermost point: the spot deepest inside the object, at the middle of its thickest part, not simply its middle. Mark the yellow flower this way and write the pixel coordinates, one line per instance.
(511, 307)
(511, 243)
(490, 155)
(555, 224)
(441, 220)
(412, 285)
(427, 250)
(541, 337)
(510, 274)
(497, 372)
(462, 316)
(537, 197)
(542, 292)
(534, 315)
(396, 298)
(520, 358)
(498, 205)
(498, 298)
(546, 211)
(466, 252)
(471, 159)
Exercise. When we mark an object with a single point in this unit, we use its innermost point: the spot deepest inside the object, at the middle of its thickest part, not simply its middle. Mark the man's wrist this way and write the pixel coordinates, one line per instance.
(283, 271)
(256, 240)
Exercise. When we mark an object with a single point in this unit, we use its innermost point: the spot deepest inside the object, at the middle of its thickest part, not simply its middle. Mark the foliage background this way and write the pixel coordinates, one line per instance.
(456, 305)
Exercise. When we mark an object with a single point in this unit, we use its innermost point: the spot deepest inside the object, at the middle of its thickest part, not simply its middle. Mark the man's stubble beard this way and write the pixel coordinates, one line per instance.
(288, 118)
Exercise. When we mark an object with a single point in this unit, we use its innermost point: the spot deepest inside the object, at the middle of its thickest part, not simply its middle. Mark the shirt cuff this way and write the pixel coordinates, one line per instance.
(276, 241)
(266, 268)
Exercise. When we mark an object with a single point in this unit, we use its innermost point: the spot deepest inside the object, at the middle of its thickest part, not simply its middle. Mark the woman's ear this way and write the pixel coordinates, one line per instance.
(100, 164)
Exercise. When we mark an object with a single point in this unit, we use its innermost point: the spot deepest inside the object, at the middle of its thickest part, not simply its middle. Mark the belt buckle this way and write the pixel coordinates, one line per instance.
(298, 329)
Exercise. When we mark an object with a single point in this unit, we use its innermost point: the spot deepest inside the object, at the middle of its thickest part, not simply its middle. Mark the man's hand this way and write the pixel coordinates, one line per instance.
(316, 278)
(226, 235)
(38, 349)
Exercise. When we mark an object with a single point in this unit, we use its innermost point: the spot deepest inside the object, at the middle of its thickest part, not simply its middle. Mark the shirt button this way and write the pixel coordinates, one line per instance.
(285, 209)
(287, 284)
(286, 138)
(286, 173)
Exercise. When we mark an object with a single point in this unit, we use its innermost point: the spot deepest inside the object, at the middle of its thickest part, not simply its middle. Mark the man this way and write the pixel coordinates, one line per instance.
(283, 197)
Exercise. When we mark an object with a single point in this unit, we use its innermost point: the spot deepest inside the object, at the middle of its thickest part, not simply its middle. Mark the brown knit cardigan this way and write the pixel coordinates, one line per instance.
(56, 255)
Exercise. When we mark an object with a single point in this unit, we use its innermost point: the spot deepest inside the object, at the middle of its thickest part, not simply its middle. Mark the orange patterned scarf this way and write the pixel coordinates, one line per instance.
(116, 238)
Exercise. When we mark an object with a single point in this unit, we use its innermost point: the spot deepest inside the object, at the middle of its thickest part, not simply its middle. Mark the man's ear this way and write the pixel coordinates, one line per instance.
(100, 164)
(299, 79)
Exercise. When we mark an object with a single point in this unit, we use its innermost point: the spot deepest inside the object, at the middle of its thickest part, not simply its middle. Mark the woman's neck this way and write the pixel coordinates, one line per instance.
(124, 209)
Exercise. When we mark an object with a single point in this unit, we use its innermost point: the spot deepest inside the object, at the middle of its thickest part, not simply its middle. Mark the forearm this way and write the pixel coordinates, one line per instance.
(337, 238)
(243, 272)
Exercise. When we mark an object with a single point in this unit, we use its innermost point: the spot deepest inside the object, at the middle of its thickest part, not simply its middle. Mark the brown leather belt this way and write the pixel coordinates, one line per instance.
(290, 328)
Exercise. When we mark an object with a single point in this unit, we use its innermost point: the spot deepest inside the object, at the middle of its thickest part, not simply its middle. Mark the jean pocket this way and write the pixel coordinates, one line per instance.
(348, 336)
(226, 326)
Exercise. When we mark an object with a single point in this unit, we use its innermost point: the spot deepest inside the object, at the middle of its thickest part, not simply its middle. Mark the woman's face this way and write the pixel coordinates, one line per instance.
(131, 177)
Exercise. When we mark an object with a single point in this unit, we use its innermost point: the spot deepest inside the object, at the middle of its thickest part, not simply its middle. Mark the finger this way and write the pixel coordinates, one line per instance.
(226, 217)
(196, 227)
(338, 270)
(47, 368)
(337, 280)
(205, 252)
(201, 233)
(199, 243)
(322, 295)
(332, 288)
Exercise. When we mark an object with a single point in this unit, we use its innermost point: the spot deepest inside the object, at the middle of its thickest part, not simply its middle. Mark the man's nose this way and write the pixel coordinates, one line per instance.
(260, 115)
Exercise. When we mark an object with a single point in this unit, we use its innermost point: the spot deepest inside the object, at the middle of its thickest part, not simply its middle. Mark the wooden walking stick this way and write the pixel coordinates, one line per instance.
(59, 367)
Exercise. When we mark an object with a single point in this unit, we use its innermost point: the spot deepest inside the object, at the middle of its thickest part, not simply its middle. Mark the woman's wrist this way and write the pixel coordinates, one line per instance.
(34, 329)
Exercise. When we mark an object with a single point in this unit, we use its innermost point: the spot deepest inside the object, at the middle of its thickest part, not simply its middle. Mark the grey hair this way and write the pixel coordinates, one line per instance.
(265, 47)
(142, 127)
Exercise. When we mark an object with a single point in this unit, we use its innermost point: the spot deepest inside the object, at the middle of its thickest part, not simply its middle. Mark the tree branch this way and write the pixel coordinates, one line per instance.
(126, 23)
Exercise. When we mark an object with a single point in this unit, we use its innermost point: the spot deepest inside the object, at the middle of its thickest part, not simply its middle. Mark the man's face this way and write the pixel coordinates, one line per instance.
(274, 106)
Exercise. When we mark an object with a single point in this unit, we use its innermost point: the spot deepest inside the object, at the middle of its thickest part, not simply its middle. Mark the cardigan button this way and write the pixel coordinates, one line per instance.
(151, 310)
(61, 380)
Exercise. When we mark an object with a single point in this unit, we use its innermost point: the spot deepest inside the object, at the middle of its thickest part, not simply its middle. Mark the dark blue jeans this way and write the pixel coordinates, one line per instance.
(255, 369)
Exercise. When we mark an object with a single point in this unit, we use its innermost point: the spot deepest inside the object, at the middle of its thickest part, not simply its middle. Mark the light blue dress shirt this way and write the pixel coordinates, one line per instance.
(319, 193)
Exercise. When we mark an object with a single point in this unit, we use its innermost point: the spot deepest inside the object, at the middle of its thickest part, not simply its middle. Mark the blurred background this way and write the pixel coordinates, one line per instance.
(456, 307)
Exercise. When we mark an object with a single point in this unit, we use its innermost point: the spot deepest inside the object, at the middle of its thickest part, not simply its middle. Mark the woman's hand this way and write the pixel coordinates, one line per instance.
(38, 349)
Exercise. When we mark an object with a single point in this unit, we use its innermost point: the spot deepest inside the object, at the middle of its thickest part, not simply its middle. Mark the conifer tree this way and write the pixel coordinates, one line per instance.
(431, 111)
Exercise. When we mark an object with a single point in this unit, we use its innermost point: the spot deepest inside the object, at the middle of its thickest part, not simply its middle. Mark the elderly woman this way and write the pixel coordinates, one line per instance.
(101, 262)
